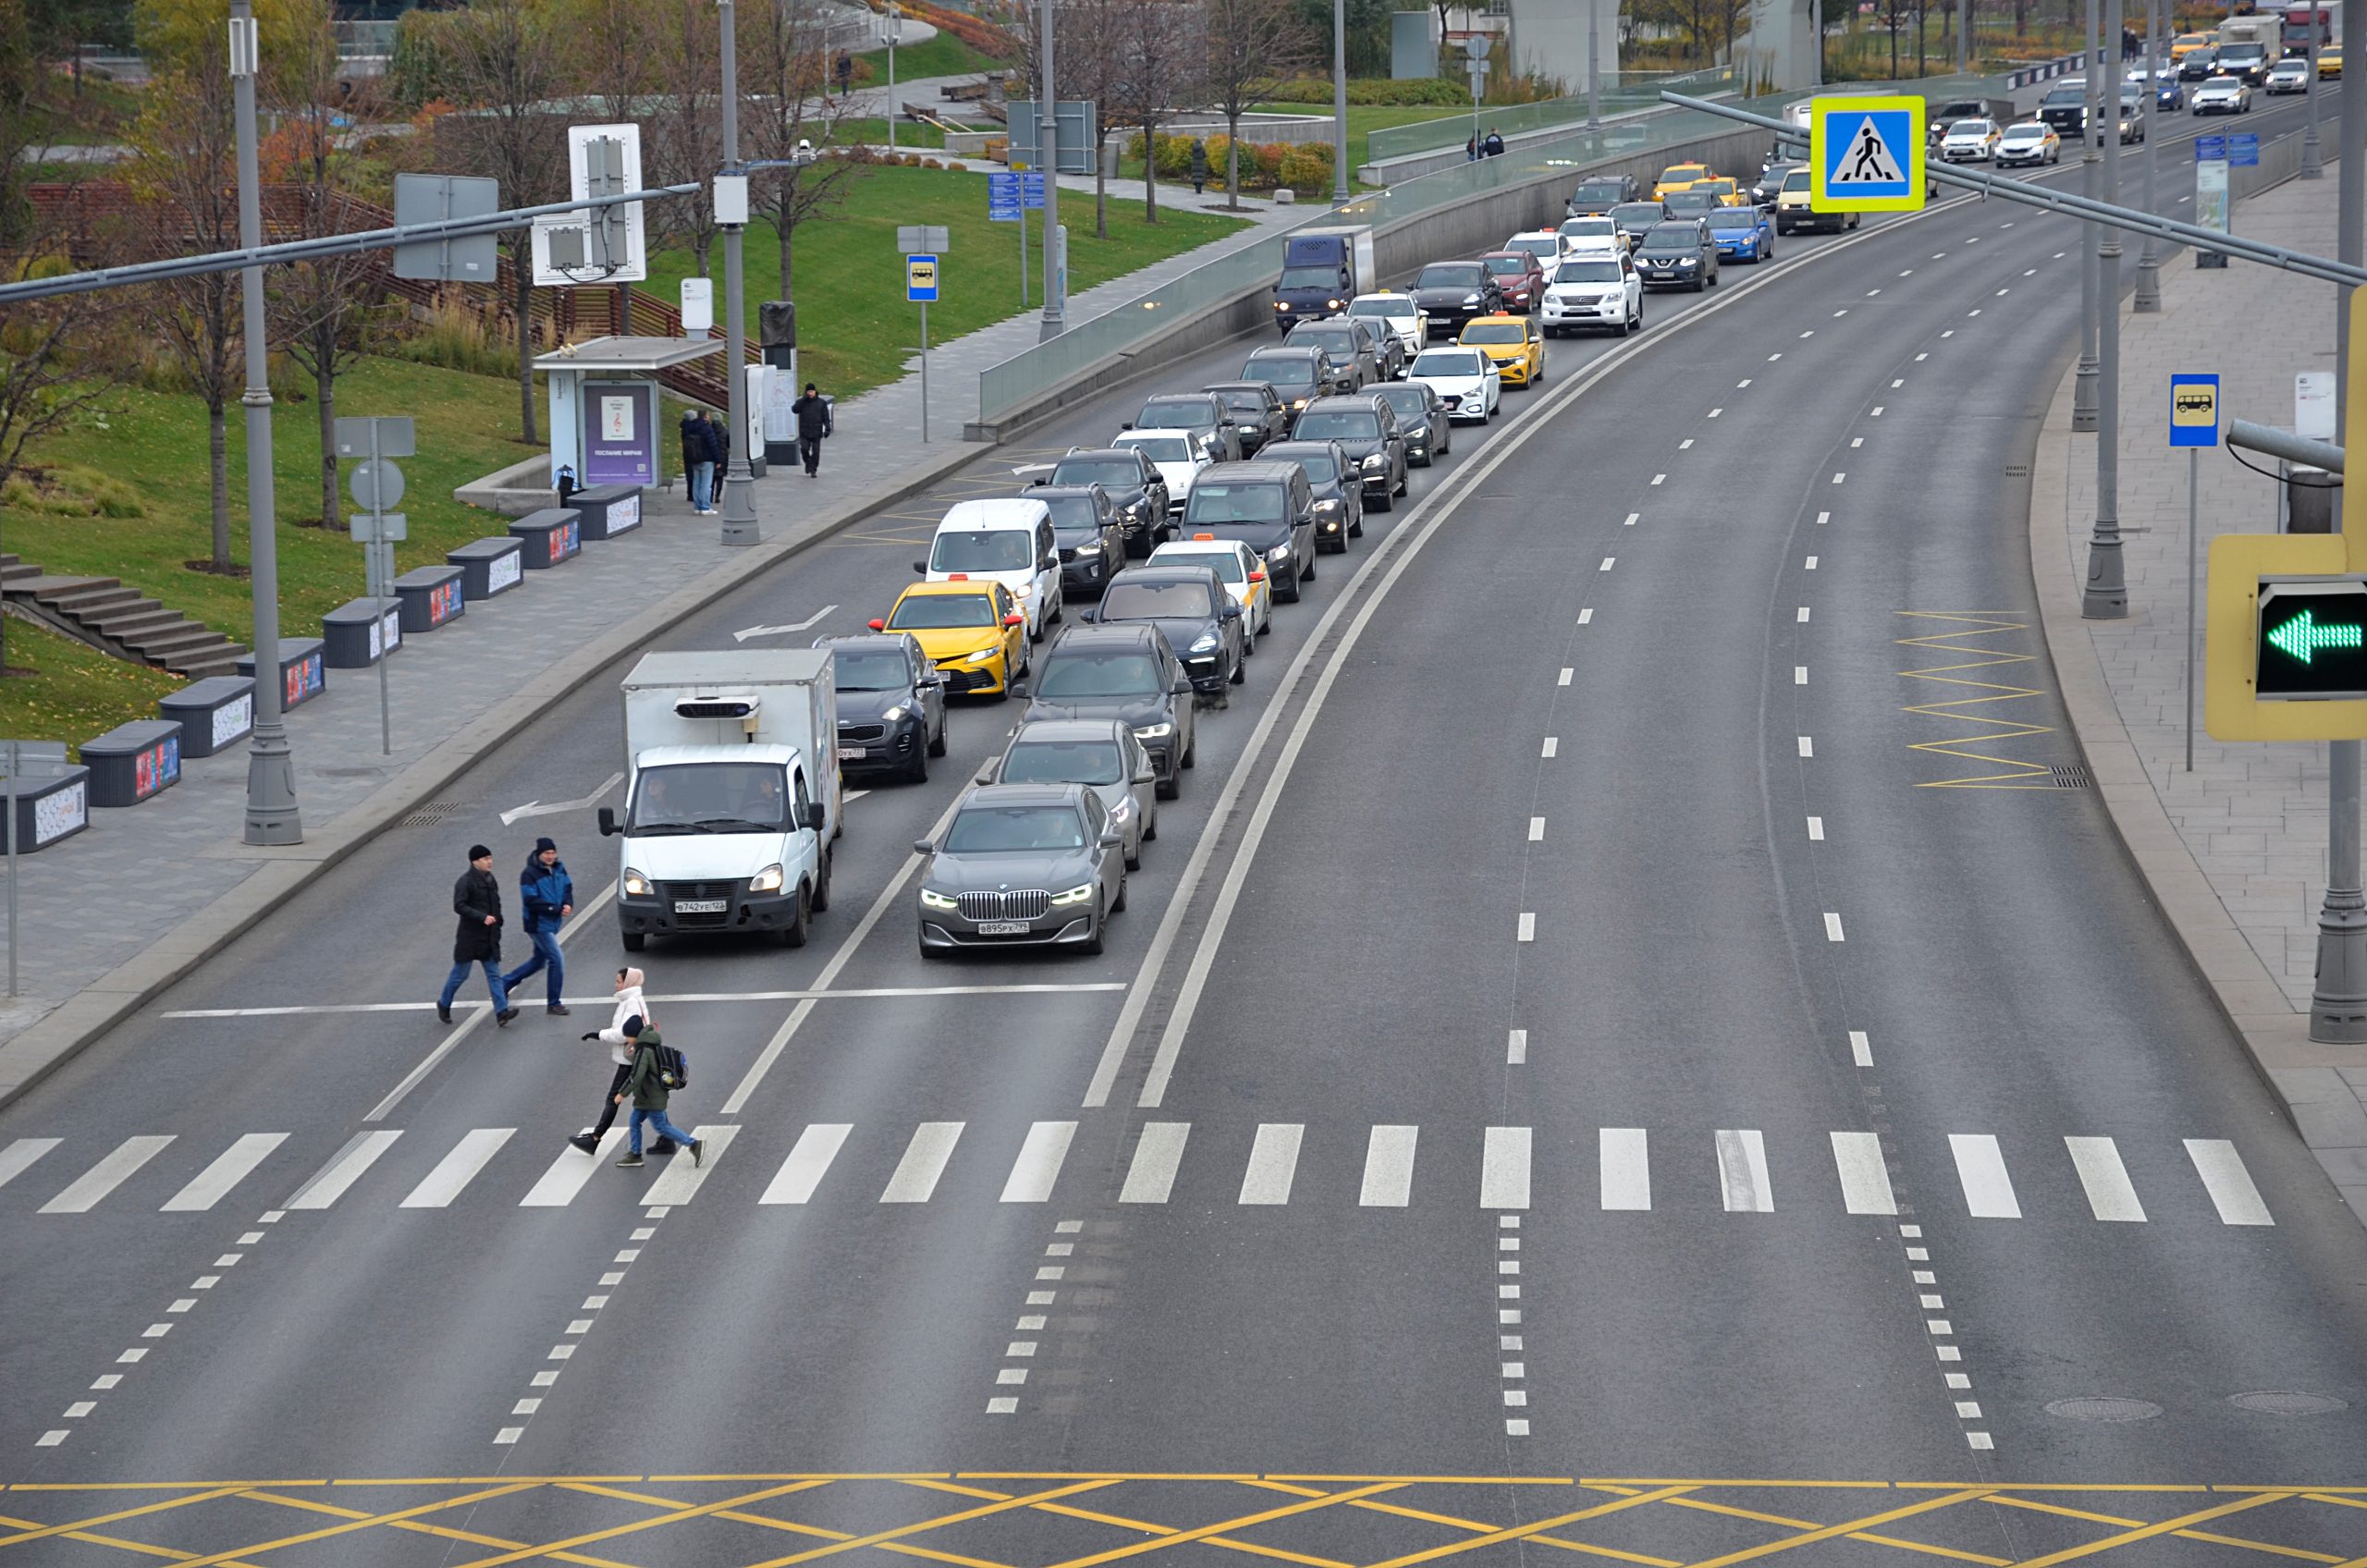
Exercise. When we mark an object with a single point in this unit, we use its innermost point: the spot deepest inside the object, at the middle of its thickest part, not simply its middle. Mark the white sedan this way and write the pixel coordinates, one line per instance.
(2223, 95)
(1244, 574)
(1545, 244)
(1179, 459)
(1969, 141)
(2288, 75)
(2031, 142)
(1595, 292)
(1394, 313)
(1466, 380)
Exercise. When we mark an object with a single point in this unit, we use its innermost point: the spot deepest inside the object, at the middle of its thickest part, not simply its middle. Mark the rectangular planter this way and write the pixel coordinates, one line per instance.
(303, 671)
(489, 567)
(607, 509)
(358, 635)
(432, 595)
(215, 714)
(549, 536)
(133, 761)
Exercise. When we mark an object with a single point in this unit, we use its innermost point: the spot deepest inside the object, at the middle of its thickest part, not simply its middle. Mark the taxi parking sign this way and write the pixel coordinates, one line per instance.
(920, 279)
(1866, 155)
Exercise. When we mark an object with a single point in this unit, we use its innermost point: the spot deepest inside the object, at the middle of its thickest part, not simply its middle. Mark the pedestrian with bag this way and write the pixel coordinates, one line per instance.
(632, 1009)
(698, 461)
(1199, 165)
(1494, 145)
(813, 411)
(476, 899)
(548, 893)
(718, 440)
(647, 1085)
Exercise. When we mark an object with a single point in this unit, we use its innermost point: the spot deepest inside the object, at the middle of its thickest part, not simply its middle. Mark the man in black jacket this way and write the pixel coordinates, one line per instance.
(813, 412)
(476, 899)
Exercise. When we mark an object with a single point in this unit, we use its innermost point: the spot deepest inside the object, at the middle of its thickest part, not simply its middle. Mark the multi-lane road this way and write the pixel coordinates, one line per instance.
(1633, 988)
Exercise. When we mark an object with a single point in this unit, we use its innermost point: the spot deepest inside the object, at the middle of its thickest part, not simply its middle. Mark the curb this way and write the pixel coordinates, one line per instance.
(83, 1018)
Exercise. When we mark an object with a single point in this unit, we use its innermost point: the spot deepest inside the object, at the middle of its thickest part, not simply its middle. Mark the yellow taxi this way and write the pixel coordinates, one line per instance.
(1728, 193)
(2329, 64)
(2186, 44)
(1680, 176)
(972, 629)
(1513, 342)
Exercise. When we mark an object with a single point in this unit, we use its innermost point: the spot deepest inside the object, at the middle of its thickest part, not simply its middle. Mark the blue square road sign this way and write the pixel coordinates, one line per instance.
(2194, 410)
(1866, 155)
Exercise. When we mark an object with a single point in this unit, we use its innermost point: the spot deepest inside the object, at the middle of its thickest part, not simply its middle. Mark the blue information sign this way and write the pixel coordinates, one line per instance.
(1031, 186)
(1003, 198)
(2210, 149)
(2194, 410)
(2243, 149)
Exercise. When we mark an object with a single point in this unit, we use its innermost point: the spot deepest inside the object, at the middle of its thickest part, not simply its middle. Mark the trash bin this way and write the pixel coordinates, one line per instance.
(133, 761)
(215, 714)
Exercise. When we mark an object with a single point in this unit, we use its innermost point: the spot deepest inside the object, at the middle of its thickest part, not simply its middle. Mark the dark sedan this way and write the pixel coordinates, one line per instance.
(1192, 609)
(1771, 182)
(1297, 375)
(1135, 486)
(1256, 410)
(1633, 219)
(1088, 532)
(1195, 414)
(1598, 193)
(1022, 866)
(1348, 343)
(1421, 418)
(1452, 292)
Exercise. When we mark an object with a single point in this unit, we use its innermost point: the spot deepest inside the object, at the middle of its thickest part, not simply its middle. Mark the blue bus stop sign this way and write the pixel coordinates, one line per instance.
(2194, 410)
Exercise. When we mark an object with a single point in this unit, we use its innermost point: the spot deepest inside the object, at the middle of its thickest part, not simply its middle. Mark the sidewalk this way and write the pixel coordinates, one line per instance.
(146, 893)
(2235, 850)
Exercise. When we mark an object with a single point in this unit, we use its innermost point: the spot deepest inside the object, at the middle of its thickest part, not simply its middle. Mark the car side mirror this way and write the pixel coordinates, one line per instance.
(1049, 562)
(1018, 689)
(986, 775)
(811, 816)
(1231, 610)
(609, 828)
(1182, 686)
(1148, 775)
(877, 625)
(1014, 620)
(1257, 576)
(1110, 840)
(1089, 615)
(923, 847)
(921, 567)
(1128, 425)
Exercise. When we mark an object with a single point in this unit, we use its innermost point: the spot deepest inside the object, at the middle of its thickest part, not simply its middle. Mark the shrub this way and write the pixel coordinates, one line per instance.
(1306, 170)
(1375, 91)
(453, 336)
(998, 149)
(72, 492)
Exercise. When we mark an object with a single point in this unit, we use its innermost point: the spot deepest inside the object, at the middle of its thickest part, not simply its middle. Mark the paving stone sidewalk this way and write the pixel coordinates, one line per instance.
(2234, 848)
(139, 876)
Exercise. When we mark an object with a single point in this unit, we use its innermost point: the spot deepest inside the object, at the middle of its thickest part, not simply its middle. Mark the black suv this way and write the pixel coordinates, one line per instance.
(2065, 107)
(1195, 414)
(1450, 293)
(1295, 374)
(1126, 673)
(1193, 610)
(1349, 343)
(1089, 533)
(1679, 253)
(891, 704)
(1421, 418)
(1133, 483)
(1256, 410)
(1596, 194)
(1366, 430)
(1269, 507)
(1338, 489)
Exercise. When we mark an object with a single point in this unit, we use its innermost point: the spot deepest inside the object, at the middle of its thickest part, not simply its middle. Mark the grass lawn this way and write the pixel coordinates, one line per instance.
(75, 690)
(943, 55)
(853, 327)
(874, 132)
(1364, 119)
(153, 444)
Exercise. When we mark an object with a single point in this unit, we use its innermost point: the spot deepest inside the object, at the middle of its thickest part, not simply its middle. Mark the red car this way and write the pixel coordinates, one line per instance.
(1519, 276)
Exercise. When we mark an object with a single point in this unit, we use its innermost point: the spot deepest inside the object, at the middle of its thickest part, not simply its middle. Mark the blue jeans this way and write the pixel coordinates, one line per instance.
(655, 1118)
(702, 485)
(546, 956)
(492, 978)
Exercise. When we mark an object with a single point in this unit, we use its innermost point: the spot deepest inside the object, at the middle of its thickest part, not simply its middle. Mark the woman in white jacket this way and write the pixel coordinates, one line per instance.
(629, 1004)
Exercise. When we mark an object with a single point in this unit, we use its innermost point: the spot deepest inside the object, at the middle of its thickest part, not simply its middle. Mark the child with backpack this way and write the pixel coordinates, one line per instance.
(630, 1006)
(657, 1070)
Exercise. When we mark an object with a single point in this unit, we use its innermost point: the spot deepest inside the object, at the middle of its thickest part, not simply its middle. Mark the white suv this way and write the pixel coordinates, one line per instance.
(1595, 292)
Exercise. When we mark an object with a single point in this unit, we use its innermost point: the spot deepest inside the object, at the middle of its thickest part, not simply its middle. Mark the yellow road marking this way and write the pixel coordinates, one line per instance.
(2023, 775)
(1854, 1526)
(90, 1537)
(695, 1512)
(2034, 1506)
(1521, 1532)
(1180, 1538)
(122, 1513)
(901, 1530)
(2146, 1532)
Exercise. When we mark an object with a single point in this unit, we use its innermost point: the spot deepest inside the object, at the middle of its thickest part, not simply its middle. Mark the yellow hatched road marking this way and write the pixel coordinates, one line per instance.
(695, 1511)
(1521, 1532)
(2146, 1532)
(1181, 1537)
(91, 1538)
(1828, 1532)
(2035, 1506)
(1976, 624)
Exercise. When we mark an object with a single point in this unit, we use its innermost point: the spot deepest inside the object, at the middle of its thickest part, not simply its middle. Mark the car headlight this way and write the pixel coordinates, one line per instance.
(1377, 461)
(932, 898)
(1123, 809)
(1327, 505)
(1204, 642)
(636, 886)
(982, 655)
(1153, 731)
(1331, 304)
(1281, 304)
(1023, 590)
(1075, 895)
(895, 714)
(1471, 299)
(1279, 552)
(765, 881)
(1688, 261)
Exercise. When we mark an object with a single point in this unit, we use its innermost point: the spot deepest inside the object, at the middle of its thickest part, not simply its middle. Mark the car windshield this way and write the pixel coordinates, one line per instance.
(1236, 503)
(1073, 514)
(1453, 274)
(1494, 332)
(1598, 190)
(1145, 601)
(2220, 82)
(1282, 371)
(1164, 449)
(708, 797)
(1321, 468)
(2032, 132)
(2238, 53)
(1506, 266)
(1112, 473)
(988, 830)
(1677, 174)
(1408, 402)
(1446, 363)
(1172, 416)
(1224, 563)
(994, 549)
(934, 612)
(2065, 97)
(1691, 200)
(1636, 214)
(1077, 673)
(1970, 129)
(1734, 217)
(1381, 309)
(1671, 240)
(1588, 272)
(1339, 424)
(1542, 246)
(871, 669)
(1243, 402)
(1797, 181)
(1590, 229)
(1064, 762)
(1309, 277)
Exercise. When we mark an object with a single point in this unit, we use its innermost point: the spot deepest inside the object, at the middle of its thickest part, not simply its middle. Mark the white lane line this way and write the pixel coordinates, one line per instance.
(1839, 477)
(809, 1160)
(1874, 413)
(850, 994)
(1040, 1162)
(1865, 1184)
(1516, 1047)
(1810, 566)
(1273, 1161)
(1925, 355)
(18, 1156)
(458, 1168)
(2230, 1185)
(1564, 678)
(1632, 518)
(2110, 1193)
(1527, 926)
(924, 1162)
(1503, 1169)
(565, 1177)
(1685, 445)
(1536, 829)
(1388, 1167)
(329, 1182)
(1553, 746)
(1842, 311)
(1968, 314)
(1773, 358)
(1742, 1172)
(413, 1079)
(1799, 675)
(1713, 413)
(1585, 616)
(1908, 272)
(108, 1174)
(1833, 927)
(1803, 616)
(1816, 830)
(1660, 479)
(2001, 291)
(682, 1179)
(231, 1167)
(1607, 561)
(2029, 272)
(1823, 517)
(1980, 1168)
(1625, 1155)
(1857, 441)
(1952, 331)
(1810, 333)
(1898, 383)
(1743, 382)
(1158, 1153)
(1807, 747)
(1861, 1048)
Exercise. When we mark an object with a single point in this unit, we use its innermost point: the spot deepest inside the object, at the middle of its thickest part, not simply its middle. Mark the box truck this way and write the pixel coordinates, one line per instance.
(2249, 46)
(732, 794)
(1322, 269)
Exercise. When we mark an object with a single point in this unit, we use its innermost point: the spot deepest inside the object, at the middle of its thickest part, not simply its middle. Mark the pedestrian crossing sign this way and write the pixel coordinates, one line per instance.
(1866, 155)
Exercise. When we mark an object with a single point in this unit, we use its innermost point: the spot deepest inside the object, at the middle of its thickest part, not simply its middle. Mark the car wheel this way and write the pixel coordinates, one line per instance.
(1191, 757)
(937, 746)
(1035, 632)
(1135, 858)
(1357, 529)
(1119, 906)
(634, 940)
(1288, 594)
(916, 770)
(793, 934)
(822, 885)
(1306, 565)
(1092, 945)
(1538, 378)
(1059, 610)
(1241, 669)
(1165, 790)
(1150, 822)
(1699, 283)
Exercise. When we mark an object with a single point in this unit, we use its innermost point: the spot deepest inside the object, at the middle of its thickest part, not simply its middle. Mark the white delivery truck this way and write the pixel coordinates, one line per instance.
(732, 794)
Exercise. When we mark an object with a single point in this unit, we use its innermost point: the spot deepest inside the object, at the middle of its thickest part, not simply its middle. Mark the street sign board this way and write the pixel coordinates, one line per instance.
(434, 198)
(1866, 155)
(1076, 131)
(2243, 149)
(394, 436)
(378, 486)
(920, 279)
(2194, 410)
(1031, 190)
(2212, 147)
(2310, 642)
(1002, 198)
(2313, 400)
(916, 238)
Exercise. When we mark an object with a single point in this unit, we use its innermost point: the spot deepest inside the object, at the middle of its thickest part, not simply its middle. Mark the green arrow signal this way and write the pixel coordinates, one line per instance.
(2302, 636)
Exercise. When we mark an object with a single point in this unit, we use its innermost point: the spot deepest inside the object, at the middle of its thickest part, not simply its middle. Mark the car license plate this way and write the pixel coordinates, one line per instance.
(1002, 928)
(701, 906)
(852, 753)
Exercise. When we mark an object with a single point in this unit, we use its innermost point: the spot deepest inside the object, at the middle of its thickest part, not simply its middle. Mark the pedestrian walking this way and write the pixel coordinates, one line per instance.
(1494, 145)
(645, 1084)
(1199, 165)
(476, 899)
(718, 437)
(698, 461)
(631, 1008)
(548, 893)
(813, 411)
(1471, 148)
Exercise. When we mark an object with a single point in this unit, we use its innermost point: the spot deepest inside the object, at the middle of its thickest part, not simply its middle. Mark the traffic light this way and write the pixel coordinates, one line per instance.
(2312, 642)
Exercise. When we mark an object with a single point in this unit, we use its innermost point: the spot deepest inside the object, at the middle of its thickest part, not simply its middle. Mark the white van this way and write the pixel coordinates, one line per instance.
(1007, 542)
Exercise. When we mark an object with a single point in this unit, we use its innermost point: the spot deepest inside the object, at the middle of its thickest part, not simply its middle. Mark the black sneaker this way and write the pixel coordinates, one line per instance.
(556, 1010)
(633, 1161)
(443, 1013)
(664, 1146)
(698, 1148)
(587, 1142)
(504, 1016)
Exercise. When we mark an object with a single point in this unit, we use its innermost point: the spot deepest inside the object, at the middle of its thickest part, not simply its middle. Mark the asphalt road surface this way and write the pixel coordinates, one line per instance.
(1634, 1018)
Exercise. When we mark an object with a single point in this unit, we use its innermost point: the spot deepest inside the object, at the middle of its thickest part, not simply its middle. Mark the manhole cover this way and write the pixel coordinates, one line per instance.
(433, 814)
(2103, 1409)
(2285, 1402)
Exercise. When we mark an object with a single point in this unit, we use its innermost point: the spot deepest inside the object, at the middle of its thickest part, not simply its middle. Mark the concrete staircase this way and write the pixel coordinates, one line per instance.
(116, 620)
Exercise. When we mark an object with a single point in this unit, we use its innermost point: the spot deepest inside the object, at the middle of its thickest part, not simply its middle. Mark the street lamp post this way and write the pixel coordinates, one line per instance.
(2083, 385)
(2149, 262)
(1048, 158)
(2313, 159)
(739, 485)
(1594, 70)
(272, 814)
(1339, 103)
(895, 26)
(2106, 596)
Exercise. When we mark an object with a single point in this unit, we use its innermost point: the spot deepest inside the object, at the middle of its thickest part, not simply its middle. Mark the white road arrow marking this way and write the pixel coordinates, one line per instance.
(551, 808)
(807, 625)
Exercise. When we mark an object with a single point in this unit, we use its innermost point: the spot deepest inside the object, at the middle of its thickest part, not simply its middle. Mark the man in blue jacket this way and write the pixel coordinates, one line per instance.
(548, 894)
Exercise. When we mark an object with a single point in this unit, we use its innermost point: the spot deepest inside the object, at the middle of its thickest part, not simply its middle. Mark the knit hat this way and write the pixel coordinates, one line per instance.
(542, 844)
(478, 852)
(633, 1027)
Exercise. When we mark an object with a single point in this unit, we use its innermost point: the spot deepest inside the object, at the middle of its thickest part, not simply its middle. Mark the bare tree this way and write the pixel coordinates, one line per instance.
(612, 50)
(785, 47)
(685, 137)
(1156, 44)
(1253, 46)
(1088, 62)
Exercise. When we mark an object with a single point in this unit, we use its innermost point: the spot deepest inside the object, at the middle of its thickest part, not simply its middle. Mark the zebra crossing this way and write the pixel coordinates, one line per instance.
(1635, 1170)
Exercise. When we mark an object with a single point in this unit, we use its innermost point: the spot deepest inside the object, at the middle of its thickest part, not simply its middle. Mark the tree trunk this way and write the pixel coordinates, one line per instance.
(1150, 170)
(217, 453)
(702, 247)
(523, 273)
(784, 232)
(1233, 159)
(324, 400)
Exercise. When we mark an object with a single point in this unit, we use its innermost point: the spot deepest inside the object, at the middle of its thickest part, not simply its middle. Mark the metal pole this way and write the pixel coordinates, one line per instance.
(2193, 576)
(1339, 103)
(739, 525)
(272, 814)
(2107, 593)
(1023, 241)
(1048, 137)
(1594, 72)
(379, 554)
(2312, 161)
(1964, 36)
(925, 368)
(895, 27)
(1816, 14)
(2083, 386)
(15, 762)
(2338, 1004)
(2149, 262)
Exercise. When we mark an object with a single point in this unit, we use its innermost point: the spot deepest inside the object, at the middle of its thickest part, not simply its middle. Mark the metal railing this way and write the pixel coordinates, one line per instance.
(1633, 90)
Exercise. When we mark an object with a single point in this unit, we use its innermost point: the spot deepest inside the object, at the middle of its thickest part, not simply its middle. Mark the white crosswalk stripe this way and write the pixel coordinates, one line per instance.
(234, 1164)
(558, 1186)
(107, 1175)
(1980, 1168)
(808, 1162)
(2229, 1184)
(1273, 1163)
(18, 1156)
(1865, 1183)
(924, 1162)
(1159, 1152)
(1038, 1165)
(682, 1178)
(1626, 1168)
(2110, 1193)
(1388, 1167)
(455, 1170)
(344, 1168)
(1503, 1169)
(1742, 1172)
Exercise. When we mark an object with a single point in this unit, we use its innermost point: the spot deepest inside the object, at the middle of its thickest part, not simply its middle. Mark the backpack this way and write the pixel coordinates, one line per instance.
(673, 1068)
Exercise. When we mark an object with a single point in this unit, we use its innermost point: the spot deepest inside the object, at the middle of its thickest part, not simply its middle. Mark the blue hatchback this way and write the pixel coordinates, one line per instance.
(1742, 234)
